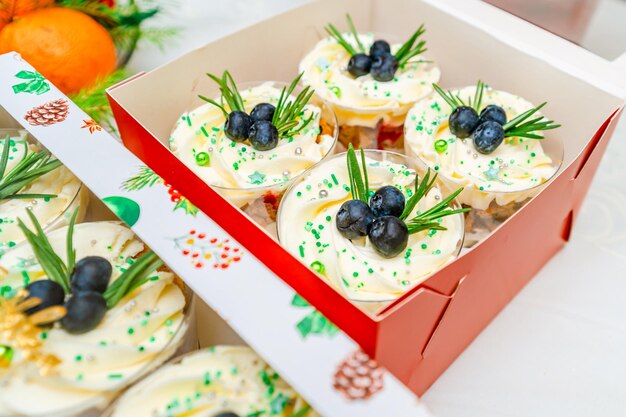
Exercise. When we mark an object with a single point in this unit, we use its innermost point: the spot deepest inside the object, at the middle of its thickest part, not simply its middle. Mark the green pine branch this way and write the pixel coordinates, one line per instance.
(146, 177)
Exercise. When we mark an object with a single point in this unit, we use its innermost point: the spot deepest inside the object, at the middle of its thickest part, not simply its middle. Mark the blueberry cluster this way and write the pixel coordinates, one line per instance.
(380, 62)
(86, 306)
(486, 129)
(379, 220)
(257, 127)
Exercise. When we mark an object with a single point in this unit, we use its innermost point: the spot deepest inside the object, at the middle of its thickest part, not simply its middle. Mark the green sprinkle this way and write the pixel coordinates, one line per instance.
(203, 158)
(441, 146)
(318, 267)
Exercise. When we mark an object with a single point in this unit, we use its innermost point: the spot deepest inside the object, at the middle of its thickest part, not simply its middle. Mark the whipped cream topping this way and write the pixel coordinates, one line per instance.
(307, 228)
(136, 335)
(509, 174)
(238, 166)
(60, 182)
(209, 382)
(363, 101)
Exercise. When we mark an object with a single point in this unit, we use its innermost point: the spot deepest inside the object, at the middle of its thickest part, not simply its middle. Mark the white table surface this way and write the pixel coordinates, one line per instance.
(559, 348)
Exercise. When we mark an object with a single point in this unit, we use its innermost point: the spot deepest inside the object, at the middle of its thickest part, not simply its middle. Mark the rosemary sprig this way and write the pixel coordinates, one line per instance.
(56, 270)
(519, 127)
(287, 112)
(421, 189)
(33, 166)
(359, 183)
(428, 219)
(452, 100)
(355, 34)
(334, 33)
(477, 103)
(410, 49)
(133, 277)
(50, 262)
(455, 101)
(230, 94)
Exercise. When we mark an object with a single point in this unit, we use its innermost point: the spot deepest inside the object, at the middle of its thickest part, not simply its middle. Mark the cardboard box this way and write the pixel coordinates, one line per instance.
(420, 334)
(302, 345)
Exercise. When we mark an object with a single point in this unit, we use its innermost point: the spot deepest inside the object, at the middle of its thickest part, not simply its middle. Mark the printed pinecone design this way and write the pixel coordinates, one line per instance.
(358, 377)
(48, 113)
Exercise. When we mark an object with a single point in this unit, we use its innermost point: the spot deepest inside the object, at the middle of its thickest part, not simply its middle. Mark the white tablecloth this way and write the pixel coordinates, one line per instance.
(559, 348)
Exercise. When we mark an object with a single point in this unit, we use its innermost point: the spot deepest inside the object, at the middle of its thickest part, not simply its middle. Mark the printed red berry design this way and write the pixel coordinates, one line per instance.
(358, 377)
(49, 113)
(203, 250)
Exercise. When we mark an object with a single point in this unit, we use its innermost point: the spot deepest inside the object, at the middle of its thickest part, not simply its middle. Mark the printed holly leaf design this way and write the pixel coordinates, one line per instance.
(298, 301)
(186, 206)
(314, 322)
(35, 84)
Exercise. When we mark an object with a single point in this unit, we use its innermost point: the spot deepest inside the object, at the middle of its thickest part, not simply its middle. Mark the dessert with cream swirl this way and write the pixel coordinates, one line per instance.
(219, 381)
(502, 162)
(50, 196)
(138, 329)
(364, 92)
(245, 144)
(375, 252)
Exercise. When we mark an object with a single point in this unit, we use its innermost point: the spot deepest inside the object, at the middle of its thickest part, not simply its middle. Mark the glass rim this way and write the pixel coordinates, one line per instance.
(335, 101)
(550, 138)
(188, 315)
(455, 204)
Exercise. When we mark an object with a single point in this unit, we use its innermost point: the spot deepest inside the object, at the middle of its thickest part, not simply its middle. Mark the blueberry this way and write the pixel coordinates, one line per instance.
(262, 111)
(379, 47)
(237, 126)
(488, 136)
(49, 292)
(389, 235)
(384, 67)
(463, 121)
(85, 310)
(387, 201)
(354, 219)
(263, 136)
(227, 414)
(359, 65)
(91, 273)
(493, 113)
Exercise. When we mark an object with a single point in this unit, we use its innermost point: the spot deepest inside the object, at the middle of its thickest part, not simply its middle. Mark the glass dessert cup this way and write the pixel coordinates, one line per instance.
(146, 328)
(306, 228)
(52, 213)
(497, 184)
(370, 113)
(204, 382)
(254, 181)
